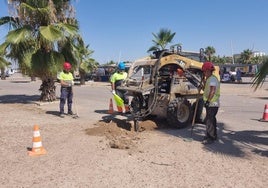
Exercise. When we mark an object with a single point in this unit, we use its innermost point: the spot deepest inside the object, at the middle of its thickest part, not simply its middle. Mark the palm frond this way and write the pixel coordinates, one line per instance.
(12, 22)
(153, 48)
(32, 10)
(19, 35)
(3, 62)
(161, 39)
(3, 47)
(46, 64)
(51, 33)
(28, 7)
(69, 29)
(260, 76)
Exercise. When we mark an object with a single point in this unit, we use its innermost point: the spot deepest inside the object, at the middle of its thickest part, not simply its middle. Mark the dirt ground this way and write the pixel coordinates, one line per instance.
(107, 152)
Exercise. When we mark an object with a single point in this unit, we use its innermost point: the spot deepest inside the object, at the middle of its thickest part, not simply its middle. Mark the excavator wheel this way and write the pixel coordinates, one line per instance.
(179, 113)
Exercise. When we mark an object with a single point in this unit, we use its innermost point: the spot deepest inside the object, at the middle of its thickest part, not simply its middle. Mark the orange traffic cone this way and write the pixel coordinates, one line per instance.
(119, 109)
(37, 148)
(111, 107)
(265, 114)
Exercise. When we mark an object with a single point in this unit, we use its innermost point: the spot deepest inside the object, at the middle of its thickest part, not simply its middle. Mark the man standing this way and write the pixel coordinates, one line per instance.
(66, 80)
(116, 80)
(211, 98)
(238, 75)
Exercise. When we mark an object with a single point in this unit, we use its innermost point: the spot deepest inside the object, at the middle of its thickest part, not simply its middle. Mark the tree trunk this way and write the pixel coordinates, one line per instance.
(3, 74)
(82, 77)
(48, 90)
(33, 78)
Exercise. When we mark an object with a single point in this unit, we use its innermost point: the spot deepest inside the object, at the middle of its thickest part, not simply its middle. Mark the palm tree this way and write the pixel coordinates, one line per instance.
(246, 56)
(3, 63)
(80, 53)
(219, 60)
(87, 66)
(38, 29)
(210, 51)
(260, 76)
(161, 40)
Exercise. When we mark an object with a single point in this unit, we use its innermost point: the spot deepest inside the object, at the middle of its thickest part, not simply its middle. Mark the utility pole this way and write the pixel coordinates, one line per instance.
(232, 51)
(119, 57)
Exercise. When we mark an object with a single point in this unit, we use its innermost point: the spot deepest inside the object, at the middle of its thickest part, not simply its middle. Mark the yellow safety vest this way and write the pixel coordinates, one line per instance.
(66, 77)
(118, 77)
(215, 99)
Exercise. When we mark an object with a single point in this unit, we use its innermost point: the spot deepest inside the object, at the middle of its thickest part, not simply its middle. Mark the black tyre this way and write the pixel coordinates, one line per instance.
(179, 113)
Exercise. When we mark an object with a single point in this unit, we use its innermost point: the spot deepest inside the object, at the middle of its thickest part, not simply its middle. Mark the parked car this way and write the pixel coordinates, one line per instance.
(228, 77)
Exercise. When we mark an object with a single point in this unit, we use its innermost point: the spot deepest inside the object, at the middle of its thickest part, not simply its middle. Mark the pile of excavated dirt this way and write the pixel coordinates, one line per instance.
(122, 135)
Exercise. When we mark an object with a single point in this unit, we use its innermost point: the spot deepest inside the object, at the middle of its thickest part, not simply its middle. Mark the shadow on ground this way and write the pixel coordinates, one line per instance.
(20, 81)
(229, 142)
(24, 99)
(263, 98)
(120, 119)
(55, 113)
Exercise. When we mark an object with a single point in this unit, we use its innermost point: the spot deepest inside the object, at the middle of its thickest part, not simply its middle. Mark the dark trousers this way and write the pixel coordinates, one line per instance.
(66, 93)
(122, 95)
(211, 122)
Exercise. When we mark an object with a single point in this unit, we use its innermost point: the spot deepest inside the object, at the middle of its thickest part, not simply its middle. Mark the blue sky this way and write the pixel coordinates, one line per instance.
(122, 29)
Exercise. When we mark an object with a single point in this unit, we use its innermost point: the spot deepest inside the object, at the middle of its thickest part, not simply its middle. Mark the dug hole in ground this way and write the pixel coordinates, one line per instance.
(102, 150)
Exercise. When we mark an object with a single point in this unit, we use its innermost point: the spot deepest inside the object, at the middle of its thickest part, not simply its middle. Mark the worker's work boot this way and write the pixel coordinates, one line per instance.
(207, 140)
(70, 113)
(61, 115)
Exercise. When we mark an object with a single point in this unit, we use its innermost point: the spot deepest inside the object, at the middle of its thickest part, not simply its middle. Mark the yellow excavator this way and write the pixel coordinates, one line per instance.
(167, 85)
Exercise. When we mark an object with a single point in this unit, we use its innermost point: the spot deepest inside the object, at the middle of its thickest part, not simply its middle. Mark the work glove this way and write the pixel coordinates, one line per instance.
(113, 92)
(206, 104)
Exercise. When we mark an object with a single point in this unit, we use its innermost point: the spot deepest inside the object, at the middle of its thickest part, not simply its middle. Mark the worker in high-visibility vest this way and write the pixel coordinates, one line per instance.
(211, 99)
(67, 81)
(116, 80)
